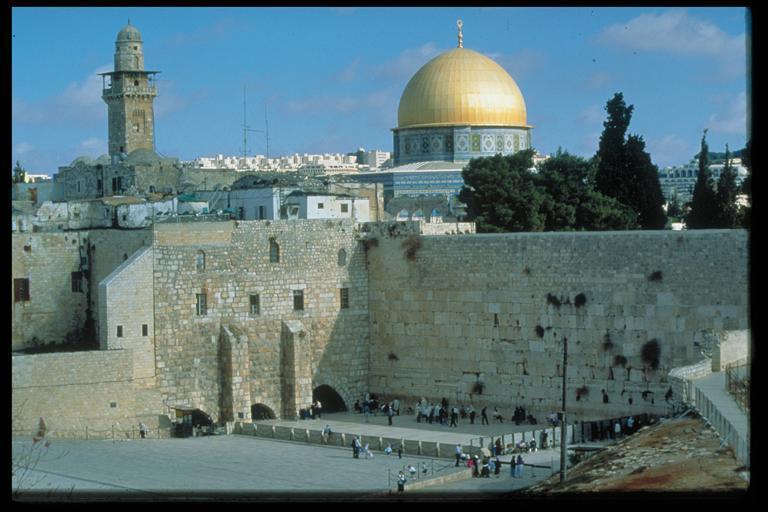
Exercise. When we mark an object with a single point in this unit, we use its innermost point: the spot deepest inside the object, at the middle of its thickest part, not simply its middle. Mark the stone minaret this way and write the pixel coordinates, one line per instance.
(129, 92)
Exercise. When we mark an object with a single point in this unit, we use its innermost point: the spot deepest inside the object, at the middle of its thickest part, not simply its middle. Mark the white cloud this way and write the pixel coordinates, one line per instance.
(79, 104)
(405, 65)
(342, 104)
(669, 150)
(733, 119)
(521, 63)
(350, 72)
(215, 31)
(676, 32)
(597, 80)
(22, 148)
(94, 146)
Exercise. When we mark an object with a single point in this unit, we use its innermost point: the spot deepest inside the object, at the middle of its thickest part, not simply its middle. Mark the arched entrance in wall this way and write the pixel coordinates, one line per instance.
(329, 398)
(192, 421)
(261, 412)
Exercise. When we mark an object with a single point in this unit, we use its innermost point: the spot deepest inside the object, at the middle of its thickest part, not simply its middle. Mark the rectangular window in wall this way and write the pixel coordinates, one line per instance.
(344, 296)
(344, 208)
(119, 331)
(202, 307)
(144, 330)
(298, 300)
(77, 281)
(21, 290)
(274, 251)
(255, 304)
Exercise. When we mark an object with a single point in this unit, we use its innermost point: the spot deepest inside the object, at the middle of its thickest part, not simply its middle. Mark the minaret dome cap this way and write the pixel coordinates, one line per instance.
(129, 33)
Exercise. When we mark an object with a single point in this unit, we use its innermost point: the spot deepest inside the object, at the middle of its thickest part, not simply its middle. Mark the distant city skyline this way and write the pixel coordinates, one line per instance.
(331, 78)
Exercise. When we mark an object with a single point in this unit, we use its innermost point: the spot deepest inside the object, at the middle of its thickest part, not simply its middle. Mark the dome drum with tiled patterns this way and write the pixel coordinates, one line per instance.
(458, 106)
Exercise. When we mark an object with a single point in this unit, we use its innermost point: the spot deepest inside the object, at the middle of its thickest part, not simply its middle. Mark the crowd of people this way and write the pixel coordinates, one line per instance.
(441, 412)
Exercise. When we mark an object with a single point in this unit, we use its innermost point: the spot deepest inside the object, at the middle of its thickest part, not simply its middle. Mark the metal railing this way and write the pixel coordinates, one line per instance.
(737, 382)
(425, 470)
(113, 433)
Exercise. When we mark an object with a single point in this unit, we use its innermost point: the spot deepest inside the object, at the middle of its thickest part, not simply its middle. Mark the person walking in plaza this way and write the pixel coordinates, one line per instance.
(497, 466)
(365, 410)
(484, 416)
(390, 413)
(519, 466)
(454, 416)
(512, 467)
(400, 452)
(142, 430)
(458, 454)
(319, 409)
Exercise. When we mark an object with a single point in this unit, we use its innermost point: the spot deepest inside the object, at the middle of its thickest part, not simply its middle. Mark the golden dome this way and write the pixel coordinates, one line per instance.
(461, 87)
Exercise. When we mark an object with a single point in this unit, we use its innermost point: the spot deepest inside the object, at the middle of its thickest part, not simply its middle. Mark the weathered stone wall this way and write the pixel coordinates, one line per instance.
(237, 264)
(126, 303)
(483, 308)
(75, 390)
(54, 310)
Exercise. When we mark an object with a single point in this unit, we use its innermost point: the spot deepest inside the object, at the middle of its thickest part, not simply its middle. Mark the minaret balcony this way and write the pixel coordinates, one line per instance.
(128, 90)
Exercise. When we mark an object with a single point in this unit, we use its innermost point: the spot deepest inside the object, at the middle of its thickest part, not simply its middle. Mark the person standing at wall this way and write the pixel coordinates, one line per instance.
(471, 415)
(319, 409)
(458, 454)
(519, 466)
(390, 413)
(484, 416)
(454, 416)
(401, 481)
(142, 430)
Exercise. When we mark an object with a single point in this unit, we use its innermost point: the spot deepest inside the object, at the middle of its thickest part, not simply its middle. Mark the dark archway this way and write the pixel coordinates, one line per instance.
(329, 398)
(261, 412)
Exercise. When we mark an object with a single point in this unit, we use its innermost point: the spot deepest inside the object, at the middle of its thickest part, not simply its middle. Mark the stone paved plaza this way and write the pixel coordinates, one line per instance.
(246, 467)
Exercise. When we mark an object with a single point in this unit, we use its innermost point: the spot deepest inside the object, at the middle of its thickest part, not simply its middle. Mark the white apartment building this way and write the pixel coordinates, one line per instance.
(333, 161)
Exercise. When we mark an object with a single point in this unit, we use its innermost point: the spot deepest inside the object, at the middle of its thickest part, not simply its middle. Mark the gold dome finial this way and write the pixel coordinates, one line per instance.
(459, 24)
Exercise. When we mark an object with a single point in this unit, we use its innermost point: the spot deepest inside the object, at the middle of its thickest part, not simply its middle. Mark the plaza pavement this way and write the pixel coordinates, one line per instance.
(241, 466)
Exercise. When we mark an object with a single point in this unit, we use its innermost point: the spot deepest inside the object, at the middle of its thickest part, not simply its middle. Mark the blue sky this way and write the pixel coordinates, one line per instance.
(331, 78)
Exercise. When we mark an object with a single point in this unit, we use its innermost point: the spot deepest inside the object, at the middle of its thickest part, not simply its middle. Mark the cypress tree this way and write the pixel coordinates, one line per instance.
(609, 179)
(703, 213)
(647, 199)
(725, 197)
(625, 171)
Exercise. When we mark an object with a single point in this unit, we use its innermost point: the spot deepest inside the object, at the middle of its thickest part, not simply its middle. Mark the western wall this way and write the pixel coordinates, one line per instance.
(481, 319)
(474, 318)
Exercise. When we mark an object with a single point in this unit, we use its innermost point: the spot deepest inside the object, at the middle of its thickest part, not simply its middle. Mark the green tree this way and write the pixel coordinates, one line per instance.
(625, 171)
(570, 201)
(703, 212)
(647, 199)
(500, 193)
(674, 210)
(725, 197)
(19, 174)
(611, 150)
